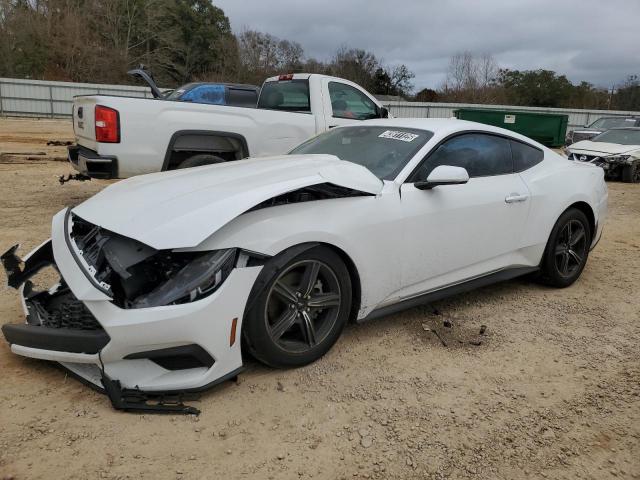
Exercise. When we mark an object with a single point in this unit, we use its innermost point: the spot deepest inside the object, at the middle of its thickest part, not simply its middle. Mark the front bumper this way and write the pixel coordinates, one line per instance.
(91, 164)
(610, 164)
(175, 348)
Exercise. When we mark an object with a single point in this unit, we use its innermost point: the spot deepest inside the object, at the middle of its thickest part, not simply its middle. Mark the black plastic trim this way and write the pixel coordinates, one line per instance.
(67, 239)
(170, 401)
(193, 351)
(74, 151)
(57, 339)
(445, 292)
(207, 133)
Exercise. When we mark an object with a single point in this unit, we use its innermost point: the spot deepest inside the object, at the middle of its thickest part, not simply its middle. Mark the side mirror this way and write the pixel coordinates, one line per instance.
(384, 112)
(444, 175)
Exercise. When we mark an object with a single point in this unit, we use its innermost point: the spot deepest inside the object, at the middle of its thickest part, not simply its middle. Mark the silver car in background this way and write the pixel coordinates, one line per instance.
(600, 125)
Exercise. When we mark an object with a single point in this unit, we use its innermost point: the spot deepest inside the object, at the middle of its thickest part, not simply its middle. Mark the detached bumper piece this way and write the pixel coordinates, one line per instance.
(133, 400)
(16, 276)
(91, 164)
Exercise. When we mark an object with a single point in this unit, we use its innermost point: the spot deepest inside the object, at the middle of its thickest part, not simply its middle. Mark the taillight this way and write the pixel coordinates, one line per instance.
(107, 123)
(288, 76)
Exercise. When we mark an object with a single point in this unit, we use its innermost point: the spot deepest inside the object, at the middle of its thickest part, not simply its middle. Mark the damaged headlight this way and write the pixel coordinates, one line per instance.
(197, 279)
(136, 275)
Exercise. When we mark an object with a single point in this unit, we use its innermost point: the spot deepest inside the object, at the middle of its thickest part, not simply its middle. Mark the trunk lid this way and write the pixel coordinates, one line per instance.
(181, 208)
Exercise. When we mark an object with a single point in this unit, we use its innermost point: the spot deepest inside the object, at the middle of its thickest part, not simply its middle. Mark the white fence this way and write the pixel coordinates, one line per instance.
(37, 98)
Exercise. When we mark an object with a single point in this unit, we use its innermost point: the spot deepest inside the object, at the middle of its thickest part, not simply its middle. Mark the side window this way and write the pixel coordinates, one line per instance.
(480, 154)
(349, 102)
(525, 156)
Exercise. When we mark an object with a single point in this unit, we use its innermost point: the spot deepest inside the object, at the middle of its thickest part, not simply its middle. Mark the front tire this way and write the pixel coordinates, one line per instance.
(300, 310)
(567, 249)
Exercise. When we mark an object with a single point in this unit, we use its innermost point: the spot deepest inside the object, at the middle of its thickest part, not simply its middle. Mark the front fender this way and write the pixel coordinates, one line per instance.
(364, 228)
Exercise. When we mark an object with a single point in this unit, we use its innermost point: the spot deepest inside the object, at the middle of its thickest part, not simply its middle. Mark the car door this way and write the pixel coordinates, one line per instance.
(454, 233)
(346, 103)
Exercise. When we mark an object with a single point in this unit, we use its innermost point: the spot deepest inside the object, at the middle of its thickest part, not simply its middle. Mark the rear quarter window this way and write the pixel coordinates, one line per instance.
(525, 156)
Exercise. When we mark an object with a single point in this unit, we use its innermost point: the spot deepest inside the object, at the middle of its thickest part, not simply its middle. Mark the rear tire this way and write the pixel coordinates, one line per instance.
(200, 160)
(631, 172)
(300, 309)
(567, 250)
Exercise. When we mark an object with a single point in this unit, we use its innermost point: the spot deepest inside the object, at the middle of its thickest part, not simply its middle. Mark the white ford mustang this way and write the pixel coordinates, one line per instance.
(167, 279)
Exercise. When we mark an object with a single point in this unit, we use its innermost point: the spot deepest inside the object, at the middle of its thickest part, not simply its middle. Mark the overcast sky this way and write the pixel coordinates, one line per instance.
(593, 40)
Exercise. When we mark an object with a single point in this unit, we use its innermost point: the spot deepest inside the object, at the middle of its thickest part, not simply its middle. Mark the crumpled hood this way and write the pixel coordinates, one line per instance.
(590, 148)
(181, 208)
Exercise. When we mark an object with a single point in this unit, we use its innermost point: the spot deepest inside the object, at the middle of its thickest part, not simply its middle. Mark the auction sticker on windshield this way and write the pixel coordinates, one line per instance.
(403, 136)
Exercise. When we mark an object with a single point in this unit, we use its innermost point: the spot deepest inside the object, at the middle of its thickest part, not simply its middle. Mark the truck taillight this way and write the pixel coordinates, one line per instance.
(288, 76)
(107, 125)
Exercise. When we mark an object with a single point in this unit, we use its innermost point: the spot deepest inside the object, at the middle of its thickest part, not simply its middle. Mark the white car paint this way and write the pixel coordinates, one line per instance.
(166, 210)
(402, 241)
(590, 148)
(148, 125)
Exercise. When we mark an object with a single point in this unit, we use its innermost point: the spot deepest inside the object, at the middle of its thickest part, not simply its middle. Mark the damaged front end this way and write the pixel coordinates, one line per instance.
(135, 275)
(55, 319)
(140, 328)
(611, 164)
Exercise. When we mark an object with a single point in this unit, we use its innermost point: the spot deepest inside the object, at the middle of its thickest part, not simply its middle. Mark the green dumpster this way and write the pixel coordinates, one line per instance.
(549, 129)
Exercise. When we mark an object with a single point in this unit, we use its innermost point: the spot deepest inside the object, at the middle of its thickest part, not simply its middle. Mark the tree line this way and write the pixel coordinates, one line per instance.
(178, 40)
(97, 41)
(479, 79)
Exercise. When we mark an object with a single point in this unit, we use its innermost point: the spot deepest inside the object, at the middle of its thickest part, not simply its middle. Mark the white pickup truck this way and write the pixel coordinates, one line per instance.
(119, 137)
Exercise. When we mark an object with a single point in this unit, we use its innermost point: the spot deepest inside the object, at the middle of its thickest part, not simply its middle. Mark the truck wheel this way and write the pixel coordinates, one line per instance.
(631, 172)
(200, 160)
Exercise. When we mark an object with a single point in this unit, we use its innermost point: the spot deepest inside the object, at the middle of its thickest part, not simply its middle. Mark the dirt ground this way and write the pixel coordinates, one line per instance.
(552, 390)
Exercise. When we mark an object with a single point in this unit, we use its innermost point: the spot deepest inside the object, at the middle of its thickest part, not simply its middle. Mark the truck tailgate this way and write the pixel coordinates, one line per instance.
(84, 121)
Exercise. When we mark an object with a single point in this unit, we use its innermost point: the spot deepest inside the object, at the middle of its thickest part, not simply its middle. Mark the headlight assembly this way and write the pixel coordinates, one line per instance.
(197, 279)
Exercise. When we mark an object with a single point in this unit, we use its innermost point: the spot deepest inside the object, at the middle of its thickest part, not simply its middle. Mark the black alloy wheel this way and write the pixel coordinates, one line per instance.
(300, 308)
(567, 249)
(303, 306)
(571, 248)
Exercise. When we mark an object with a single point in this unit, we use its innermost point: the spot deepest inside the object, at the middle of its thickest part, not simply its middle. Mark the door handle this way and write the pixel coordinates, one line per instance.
(515, 197)
(332, 126)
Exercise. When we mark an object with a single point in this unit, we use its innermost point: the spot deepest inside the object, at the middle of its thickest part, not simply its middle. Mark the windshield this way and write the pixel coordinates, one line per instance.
(199, 93)
(287, 95)
(622, 136)
(383, 150)
(613, 123)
